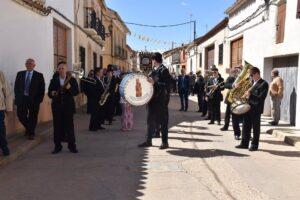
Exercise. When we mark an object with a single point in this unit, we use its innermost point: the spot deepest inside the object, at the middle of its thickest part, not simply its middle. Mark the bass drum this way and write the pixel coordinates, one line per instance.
(136, 89)
(239, 107)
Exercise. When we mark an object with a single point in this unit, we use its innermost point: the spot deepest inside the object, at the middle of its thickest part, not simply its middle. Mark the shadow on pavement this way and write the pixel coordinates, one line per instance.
(283, 153)
(205, 153)
(190, 139)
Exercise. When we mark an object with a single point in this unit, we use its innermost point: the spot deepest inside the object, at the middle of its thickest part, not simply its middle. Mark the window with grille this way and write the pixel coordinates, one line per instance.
(95, 60)
(221, 51)
(82, 57)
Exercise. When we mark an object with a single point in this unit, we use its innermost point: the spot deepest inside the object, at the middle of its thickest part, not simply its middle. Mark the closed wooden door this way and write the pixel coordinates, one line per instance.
(210, 57)
(281, 22)
(60, 43)
(237, 52)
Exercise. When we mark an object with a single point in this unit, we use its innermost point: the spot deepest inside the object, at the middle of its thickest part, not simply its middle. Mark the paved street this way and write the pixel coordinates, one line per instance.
(202, 163)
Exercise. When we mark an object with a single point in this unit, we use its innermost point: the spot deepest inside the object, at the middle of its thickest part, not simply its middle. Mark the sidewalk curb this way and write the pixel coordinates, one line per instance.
(25, 147)
(287, 138)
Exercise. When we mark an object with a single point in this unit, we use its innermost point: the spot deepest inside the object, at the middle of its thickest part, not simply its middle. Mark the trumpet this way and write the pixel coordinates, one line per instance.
(80, 74)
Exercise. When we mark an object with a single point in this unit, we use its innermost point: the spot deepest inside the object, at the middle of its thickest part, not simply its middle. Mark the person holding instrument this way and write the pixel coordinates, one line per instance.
(62, 90)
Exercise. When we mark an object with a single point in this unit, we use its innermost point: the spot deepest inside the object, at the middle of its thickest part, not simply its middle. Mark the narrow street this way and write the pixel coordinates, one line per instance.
(202, 163)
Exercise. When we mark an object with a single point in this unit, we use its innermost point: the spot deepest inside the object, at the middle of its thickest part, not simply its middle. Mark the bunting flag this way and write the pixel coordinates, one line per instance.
(152, 40)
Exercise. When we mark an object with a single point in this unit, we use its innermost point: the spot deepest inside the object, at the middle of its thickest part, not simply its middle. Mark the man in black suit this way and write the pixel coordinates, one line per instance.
(158, 113)
(215, 96)
(62, 90)
(199, 90)
(252, 119)
(29, 93)
(184, 90)
(97, 112)
(236, 119)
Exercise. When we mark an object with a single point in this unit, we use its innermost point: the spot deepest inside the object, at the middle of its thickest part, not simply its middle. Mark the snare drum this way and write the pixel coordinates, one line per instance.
(136, 89)
(240, 107)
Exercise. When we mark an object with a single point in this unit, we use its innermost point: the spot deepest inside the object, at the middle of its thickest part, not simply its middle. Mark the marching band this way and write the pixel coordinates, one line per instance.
(106, 98)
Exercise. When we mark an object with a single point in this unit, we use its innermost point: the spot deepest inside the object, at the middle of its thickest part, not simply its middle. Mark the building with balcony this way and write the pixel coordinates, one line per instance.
(177, 58)
(89, 16)
(115, 52)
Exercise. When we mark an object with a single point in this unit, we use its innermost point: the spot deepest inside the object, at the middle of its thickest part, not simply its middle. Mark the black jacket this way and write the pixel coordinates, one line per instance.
(229, 83)
(258, 94)
(217, 96)
(65, 99)
(162, 79)
(184, 85)
(36, 90)
(199, 86)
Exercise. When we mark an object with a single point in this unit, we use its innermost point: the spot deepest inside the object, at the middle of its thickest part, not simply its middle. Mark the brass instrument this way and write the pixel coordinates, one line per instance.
(239, 104)
(105, 94)
(213, 90)
(80, 74)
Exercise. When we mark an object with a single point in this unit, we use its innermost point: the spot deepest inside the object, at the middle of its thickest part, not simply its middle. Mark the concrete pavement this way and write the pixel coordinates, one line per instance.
(202, 163)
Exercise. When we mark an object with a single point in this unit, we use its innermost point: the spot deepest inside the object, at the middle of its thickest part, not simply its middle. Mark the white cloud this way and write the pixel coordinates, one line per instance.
(183, 3)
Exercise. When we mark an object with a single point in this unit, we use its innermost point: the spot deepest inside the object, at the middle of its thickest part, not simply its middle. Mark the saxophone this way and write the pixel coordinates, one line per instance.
(105, 94)
(244, 82)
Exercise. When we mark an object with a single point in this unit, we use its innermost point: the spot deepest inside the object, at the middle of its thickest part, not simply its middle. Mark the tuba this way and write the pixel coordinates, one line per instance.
(239, 104)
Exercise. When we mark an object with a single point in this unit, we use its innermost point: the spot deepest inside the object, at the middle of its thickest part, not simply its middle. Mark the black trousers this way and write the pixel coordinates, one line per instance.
(97, 118)
(204, 108)
(63, 124)
(252, 120)
(153, 119)
(227, 116)
(200, 102)
(215, 109)
(3, 142)
(109, 109)
(184, 100)
(28, 115)
(236, 120)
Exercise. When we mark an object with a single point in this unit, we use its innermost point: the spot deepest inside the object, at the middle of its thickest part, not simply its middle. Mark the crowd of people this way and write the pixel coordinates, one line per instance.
(209, 90)
(104, 101)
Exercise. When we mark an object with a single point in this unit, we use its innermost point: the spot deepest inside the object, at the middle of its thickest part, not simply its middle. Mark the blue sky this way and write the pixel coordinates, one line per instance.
(162, 12)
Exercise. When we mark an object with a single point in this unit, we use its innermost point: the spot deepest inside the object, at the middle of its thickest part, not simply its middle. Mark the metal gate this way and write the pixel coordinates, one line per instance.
(289, 72)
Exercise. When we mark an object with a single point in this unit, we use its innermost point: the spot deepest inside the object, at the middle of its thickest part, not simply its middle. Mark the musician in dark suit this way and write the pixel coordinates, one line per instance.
(256, 98)
(62, 90)
(29, 94)
(158, 113)
(87, 89)
(97, 112)
(184, 90)
(215, 96)
(236, 119)
(199, 90)
(110, 85)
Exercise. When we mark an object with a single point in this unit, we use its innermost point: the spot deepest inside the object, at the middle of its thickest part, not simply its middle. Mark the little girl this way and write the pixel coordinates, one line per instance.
(127, 115)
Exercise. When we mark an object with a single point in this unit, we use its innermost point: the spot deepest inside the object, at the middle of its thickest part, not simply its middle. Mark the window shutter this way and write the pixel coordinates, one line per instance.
(298, 10)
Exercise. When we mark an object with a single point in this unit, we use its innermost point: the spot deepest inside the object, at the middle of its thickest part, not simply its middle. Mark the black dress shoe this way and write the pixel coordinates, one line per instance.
(164, 146)
(219, 123)
(101, 128)
(253, 148)
(181, 109)
(6, 152)
(241, 146)
(145, 144)
(56, 150)
(224, 128)
(273, 123)
(211, 123)
(73, 150)
(30, 137)
(237, 137)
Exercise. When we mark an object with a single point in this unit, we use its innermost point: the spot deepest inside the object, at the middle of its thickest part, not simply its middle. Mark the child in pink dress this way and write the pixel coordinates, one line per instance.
(127, 115)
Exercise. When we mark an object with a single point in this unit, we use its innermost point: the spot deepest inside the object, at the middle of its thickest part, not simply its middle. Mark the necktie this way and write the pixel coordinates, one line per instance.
(27, 85)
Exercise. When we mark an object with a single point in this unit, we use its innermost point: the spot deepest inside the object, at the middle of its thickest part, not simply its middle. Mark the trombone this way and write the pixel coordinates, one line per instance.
(80, 74)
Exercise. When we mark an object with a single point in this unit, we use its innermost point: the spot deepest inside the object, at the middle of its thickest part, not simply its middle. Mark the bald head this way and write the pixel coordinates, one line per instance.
(30, 64)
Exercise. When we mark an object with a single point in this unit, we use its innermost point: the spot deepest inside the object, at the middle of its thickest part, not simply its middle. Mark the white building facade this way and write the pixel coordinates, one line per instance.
(30, 32)
(266, 34)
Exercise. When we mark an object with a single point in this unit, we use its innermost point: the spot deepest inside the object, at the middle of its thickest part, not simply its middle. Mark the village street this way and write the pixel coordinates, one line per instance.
(201, 163)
